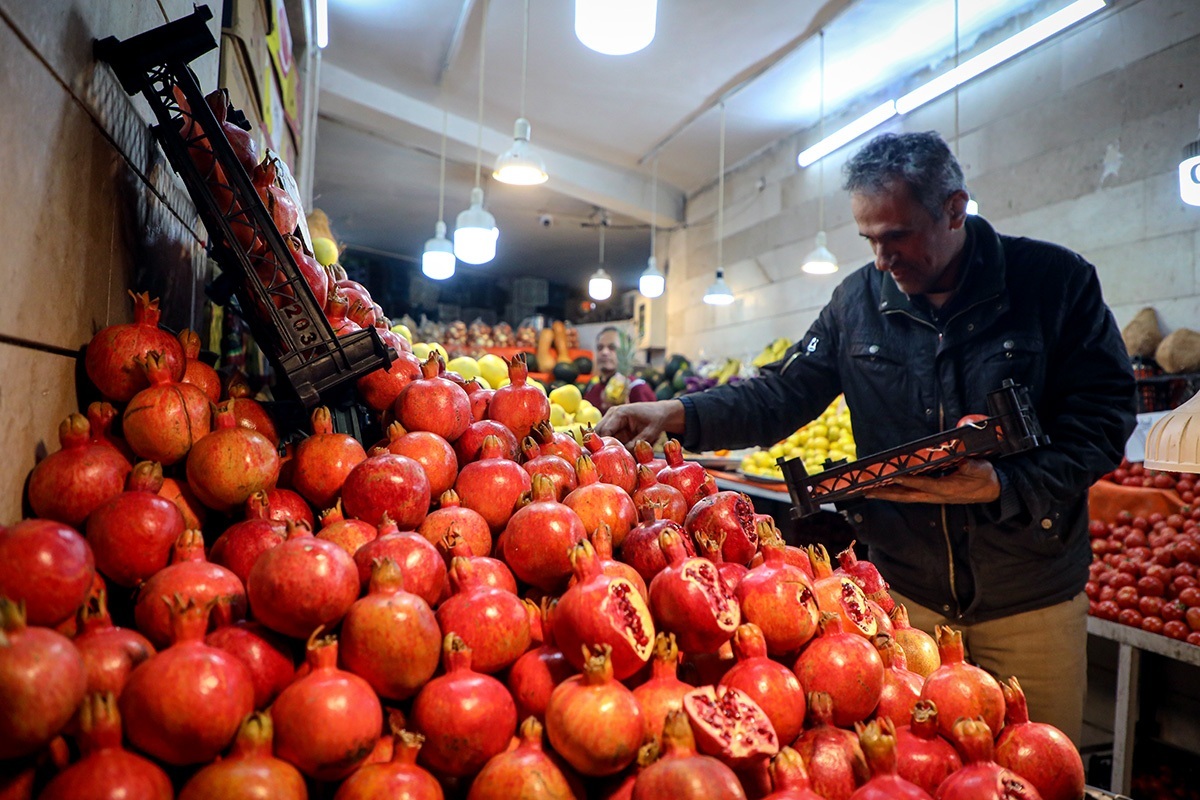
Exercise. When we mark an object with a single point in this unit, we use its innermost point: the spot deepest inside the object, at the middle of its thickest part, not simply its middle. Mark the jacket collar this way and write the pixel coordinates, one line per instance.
(983, 274)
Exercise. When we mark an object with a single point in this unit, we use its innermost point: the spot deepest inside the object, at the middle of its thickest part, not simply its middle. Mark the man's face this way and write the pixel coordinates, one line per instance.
(606, 352)
(908, 242)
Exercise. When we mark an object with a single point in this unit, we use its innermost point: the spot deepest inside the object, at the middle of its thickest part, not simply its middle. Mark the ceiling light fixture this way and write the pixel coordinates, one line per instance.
(520, 165)
(1013, 46)
(600, 285)
(1189, 174)
(321, 22)
(652, 282)
(821, 261)
(475, 231)
(437, 262)
(719, 293)
(616, 27)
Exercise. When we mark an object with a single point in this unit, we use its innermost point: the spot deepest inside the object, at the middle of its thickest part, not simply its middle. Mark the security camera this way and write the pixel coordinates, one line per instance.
(546, 220)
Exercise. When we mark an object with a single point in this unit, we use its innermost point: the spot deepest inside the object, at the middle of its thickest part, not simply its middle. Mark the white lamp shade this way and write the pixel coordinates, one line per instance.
(1189, 175)
(600, 285)
(820, 261)
(475, 232)
(972, 208)
(652, 282)
(437, 262)
(616, 27)
(719, 294)
(520, 165)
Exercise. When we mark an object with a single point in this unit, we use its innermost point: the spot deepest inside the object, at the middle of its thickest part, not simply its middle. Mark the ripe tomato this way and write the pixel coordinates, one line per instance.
(1176, 629)
(1131, 617)
(1127, 597)
(1190, 596)
(1193, 618)
(1107, 609)
(1174, 611)
(1194, 638)
(1152, 624)
(1151, 606)
(1150, 586)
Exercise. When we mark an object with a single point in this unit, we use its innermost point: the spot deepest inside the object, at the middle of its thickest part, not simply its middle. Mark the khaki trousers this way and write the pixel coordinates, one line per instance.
(1046, 649)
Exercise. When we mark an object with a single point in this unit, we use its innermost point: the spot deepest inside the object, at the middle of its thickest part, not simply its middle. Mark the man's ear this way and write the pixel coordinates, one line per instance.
(956, 209)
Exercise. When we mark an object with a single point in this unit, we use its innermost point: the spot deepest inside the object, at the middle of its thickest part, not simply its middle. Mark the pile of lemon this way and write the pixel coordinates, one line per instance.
(827, 436)
(570, 413)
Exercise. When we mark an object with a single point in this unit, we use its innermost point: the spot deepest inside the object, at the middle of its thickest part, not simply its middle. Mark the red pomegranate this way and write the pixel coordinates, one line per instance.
(878, 742)
(613, 462)
(231, 463)
(492, 571)
(179, 493)
(710, 548)
(779, 599)
(492, 485)
(728, 514)
(395, 485)
(538, 539)
(691, 479)
(771, 685)
(837, 594)
(284, 504)
(349, 534)
(48, 567)
(69, 484)
(433, 403)
(662, 692)
(649, 490)
(42, 680)
(420, 563)
(602, 610)
(105, 768)
(688, 598)
(599, 503)
(524, 772)
(1038, 752)
(337, 311)
(537, 672)
(379, 389)
(327, 721)
(102, 416)
(390, 638)
(552, 442)
(643, 454)
(189, 577)
(467, 717)
(184, 704)
(164, 420)
(109, 653)
(248, 412)
(729, 725)
(111, 359)
(681, 770)
(981, 778)
(480, 399)
(492, 622)
(789, 778)
(302, 584)
(249, 770)
(922, 756)
(593, 721)
(245, 147)
(452, 516)
(835, 760)
(429, 450)
(601, 540)
(266, 655)
(398, 777)
(243, 542)
(132, 533)
(846, 667)
(920, 649)
(467, 448)
(195, 371)
(641, 549)
(866, 576)
(960, 689)
(519, 406)
(553, 467)
(279, 203)
(901, 688)
(323, 461)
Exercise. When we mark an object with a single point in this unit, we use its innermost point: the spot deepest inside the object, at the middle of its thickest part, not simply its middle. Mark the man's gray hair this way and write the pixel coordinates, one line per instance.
(922, 160)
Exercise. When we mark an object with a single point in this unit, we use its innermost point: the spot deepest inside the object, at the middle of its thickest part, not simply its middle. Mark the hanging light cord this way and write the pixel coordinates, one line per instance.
(821, 132)
(442, 174)
(721, 194)
(653, 205)
(524, 57)
(603, 225)
(482, 53)
(956, 51)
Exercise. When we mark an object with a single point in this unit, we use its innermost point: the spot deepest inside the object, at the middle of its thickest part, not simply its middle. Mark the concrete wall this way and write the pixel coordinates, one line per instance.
(88, 209)
(1076, 142)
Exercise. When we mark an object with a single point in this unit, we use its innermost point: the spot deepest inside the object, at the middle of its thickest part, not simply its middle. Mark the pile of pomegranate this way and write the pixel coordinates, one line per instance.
(475, 606)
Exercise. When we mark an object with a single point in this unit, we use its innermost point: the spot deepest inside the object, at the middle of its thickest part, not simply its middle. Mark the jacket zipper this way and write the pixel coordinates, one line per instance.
(945, 524)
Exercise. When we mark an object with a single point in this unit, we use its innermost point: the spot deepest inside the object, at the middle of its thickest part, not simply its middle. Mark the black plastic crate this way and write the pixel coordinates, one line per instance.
(272, 295)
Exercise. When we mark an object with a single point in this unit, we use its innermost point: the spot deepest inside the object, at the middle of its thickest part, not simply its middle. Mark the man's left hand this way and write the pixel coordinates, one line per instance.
(974, 481)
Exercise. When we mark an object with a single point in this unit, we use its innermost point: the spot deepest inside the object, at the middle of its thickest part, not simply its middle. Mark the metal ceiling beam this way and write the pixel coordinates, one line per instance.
(456, 40)
(414, 123)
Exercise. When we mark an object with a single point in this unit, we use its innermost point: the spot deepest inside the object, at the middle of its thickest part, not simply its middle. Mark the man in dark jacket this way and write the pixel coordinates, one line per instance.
(948, 310)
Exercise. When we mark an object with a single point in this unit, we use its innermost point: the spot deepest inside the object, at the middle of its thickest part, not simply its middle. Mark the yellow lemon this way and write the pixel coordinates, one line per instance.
(325, 251)
(588, 416)
(421, 350)
(568, 396)
(402, 330)
(465, 366)
(483, 382)
(558, 416)
(441, 351)
(503, 383)
(493, 368)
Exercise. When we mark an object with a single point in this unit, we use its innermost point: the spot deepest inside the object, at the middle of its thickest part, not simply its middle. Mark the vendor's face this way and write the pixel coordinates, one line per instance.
(920, 252)
(606, 352)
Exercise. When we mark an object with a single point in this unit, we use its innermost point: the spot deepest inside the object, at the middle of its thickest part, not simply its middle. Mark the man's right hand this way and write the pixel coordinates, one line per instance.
(642, 421)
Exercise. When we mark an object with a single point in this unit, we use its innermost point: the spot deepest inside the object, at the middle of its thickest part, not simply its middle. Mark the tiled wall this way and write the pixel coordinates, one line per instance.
(88, 209)
(1076, 142)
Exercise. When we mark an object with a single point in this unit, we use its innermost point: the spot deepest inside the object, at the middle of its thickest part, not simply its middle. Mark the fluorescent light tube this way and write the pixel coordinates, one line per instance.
(322, 23)
(849, 133)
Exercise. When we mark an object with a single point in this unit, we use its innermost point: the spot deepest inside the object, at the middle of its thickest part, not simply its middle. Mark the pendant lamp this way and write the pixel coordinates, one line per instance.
(600, 285)
(520, 165)
(437, 262)
(821, 261)
(616, 27)
(719, 293)
(475, 231)
(652, 282)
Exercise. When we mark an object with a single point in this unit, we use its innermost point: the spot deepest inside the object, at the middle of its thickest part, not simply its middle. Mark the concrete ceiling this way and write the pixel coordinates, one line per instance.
(396, 71)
